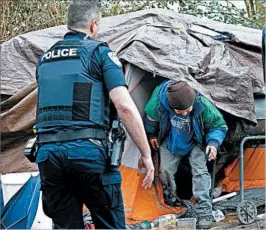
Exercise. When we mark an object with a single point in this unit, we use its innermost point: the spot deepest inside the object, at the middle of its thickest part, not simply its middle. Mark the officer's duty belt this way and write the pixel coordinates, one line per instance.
(69, 135)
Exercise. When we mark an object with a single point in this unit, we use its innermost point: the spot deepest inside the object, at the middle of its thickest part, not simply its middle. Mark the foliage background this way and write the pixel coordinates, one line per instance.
(21, 16)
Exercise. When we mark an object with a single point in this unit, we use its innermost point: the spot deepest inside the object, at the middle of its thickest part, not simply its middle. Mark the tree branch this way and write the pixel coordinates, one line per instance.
(252, 7)
(247, 7)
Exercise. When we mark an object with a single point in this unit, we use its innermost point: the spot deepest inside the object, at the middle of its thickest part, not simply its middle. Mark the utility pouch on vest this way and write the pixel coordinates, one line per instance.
(97, 103)
(116, 143)
(30, 150)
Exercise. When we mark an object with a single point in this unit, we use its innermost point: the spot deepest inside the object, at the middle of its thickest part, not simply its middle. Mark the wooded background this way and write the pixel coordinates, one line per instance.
(21, 16)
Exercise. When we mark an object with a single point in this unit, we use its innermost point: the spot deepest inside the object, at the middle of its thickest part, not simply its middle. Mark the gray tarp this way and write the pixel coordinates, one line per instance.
(163, 42)
(172, 45)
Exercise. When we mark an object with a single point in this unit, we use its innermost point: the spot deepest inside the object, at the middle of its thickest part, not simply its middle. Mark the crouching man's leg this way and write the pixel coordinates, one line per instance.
(168, 166)
(201, 181)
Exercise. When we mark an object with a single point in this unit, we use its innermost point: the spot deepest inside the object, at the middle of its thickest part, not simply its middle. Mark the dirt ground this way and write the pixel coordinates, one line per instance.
(231, 222)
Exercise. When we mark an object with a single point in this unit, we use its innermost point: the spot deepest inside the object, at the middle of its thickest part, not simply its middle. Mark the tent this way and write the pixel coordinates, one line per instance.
(152, 44)
(20, 211)
(254, 162)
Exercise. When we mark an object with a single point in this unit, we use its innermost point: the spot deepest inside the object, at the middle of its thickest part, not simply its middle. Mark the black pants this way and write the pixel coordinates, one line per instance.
(76, 173)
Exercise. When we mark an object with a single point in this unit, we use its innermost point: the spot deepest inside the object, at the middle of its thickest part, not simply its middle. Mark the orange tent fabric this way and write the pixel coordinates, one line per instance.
(254, 168)
(141, 204)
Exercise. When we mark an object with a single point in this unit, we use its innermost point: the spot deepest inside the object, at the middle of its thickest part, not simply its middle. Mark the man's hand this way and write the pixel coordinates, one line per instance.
(212, 151)
(154, 143)
(146, 162)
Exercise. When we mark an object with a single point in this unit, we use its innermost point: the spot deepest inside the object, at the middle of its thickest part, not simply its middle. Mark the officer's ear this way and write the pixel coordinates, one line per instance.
(93, 26)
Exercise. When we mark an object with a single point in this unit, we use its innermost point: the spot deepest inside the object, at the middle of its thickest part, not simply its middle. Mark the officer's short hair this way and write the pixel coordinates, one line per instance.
(81, 12)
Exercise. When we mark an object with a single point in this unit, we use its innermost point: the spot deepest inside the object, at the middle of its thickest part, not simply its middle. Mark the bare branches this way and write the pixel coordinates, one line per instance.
(21, 16)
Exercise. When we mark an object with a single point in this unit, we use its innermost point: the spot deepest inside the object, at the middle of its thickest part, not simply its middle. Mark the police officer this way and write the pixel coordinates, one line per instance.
(77, 78)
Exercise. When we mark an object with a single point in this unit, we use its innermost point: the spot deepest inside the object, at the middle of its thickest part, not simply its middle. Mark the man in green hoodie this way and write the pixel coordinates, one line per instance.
(179, 121)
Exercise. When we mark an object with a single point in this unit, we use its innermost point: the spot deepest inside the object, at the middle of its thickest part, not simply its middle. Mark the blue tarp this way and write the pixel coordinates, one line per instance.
(20, 211)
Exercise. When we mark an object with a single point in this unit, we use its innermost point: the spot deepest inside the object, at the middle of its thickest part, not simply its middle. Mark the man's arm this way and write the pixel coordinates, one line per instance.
(151, 126)
(151, 120)
(215, 127)
(131, 119)
(114, 79)
(214, 124)
(152, 129)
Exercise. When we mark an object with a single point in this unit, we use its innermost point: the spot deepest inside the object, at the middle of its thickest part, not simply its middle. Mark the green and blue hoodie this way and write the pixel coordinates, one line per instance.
(204, 125)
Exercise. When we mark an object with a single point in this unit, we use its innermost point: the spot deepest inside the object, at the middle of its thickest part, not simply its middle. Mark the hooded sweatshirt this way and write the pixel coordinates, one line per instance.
(180, 139)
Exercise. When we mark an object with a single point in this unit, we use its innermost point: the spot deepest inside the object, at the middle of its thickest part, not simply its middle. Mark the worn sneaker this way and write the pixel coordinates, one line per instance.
(204, 222)
(169, 199)
(173, 203)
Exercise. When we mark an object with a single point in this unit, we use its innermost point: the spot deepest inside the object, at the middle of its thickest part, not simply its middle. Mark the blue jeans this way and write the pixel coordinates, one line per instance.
(201, 180)
(74, 173)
